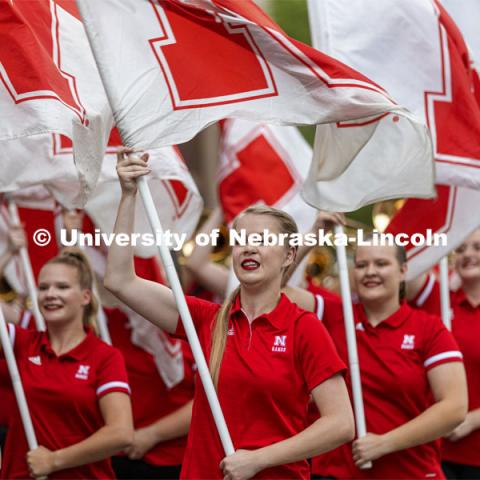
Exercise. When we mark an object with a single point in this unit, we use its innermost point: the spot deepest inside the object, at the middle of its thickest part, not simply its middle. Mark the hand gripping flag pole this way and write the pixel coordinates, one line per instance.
(27, 268)
(351, 339)
(17, 386)
(445, 294)
(172, 277)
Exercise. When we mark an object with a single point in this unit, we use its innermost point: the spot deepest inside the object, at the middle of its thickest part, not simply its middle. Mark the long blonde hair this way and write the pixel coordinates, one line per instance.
(219, 333)
(75, 258)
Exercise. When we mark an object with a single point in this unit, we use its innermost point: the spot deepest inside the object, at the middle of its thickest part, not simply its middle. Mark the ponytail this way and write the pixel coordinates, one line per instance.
(219, 335)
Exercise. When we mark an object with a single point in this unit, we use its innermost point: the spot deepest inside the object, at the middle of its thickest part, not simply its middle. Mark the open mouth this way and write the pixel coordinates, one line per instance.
(250, 264)
(52, 307)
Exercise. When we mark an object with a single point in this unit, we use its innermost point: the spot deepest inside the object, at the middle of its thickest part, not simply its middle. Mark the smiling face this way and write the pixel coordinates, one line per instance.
(467, 258)
(378, 274)
(260, 265)
(60, 296)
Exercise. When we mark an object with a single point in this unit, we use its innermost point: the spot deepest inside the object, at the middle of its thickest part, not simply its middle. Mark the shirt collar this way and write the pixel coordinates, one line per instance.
(460, 297)
(77, 353)
(277, 317)
(393, 321)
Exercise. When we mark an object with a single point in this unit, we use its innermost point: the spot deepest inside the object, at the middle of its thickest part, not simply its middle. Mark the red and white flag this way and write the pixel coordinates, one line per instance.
(49, 83)
(466, 14)
(241, 64)
(174, 192)
(36, 211)
(454, 212)
(415, 50)
(264, 164)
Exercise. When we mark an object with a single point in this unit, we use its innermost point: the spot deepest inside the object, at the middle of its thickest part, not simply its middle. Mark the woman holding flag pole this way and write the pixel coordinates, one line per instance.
(461, 447)
(406, 357)
(75, 384)
(266, 356)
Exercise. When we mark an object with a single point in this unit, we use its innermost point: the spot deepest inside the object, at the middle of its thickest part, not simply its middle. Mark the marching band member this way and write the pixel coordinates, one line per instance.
(76, 385)
(162, 393)
(460, 450)
(266, 355)
(413, 381)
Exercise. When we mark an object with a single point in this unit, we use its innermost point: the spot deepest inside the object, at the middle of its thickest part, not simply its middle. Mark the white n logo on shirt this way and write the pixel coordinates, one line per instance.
(36, 360)
(408, 342)
(280, 343)
(82, 372)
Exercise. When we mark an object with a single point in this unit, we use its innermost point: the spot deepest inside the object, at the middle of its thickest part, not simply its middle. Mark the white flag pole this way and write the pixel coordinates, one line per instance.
(17, 385)
(445, 293)
(186, 318)
(27, 268)
(351, 338)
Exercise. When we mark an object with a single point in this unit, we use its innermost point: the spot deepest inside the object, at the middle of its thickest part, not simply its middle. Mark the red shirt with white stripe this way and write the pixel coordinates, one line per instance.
(269, 368)
(394, 358)
(466, 330)
(151, 399)
(63, 395)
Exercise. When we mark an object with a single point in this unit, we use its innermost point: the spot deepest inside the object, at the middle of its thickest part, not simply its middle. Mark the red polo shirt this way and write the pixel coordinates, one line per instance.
(7, 398)
(394, 359)
(268, 371)
(62, 394)
(466, 330)
(6, 394)
(151, 399)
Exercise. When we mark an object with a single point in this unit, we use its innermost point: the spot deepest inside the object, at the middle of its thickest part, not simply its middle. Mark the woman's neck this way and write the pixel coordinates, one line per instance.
(379, 311)
(472, 291)
(256, 302)
(65, 336)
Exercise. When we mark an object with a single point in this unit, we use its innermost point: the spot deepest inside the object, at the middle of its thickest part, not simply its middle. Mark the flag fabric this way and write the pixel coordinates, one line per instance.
(32, 160)
(49, 83)
(264, 164)
(36, 209)
(179, 204)
(241, 64)
(389, 40)
(454, 212)
(466, 14)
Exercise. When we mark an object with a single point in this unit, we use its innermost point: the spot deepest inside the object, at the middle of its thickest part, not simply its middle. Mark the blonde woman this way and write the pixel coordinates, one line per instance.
(76, 385)
(266, 355)
(413, 379)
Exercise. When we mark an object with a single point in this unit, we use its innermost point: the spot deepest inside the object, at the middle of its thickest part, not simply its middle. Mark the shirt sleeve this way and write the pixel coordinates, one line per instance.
(20, 338)
(428, 298)
(440, 345)
(111, 373)
(202, 312)
(316, 354)
(328, 309)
